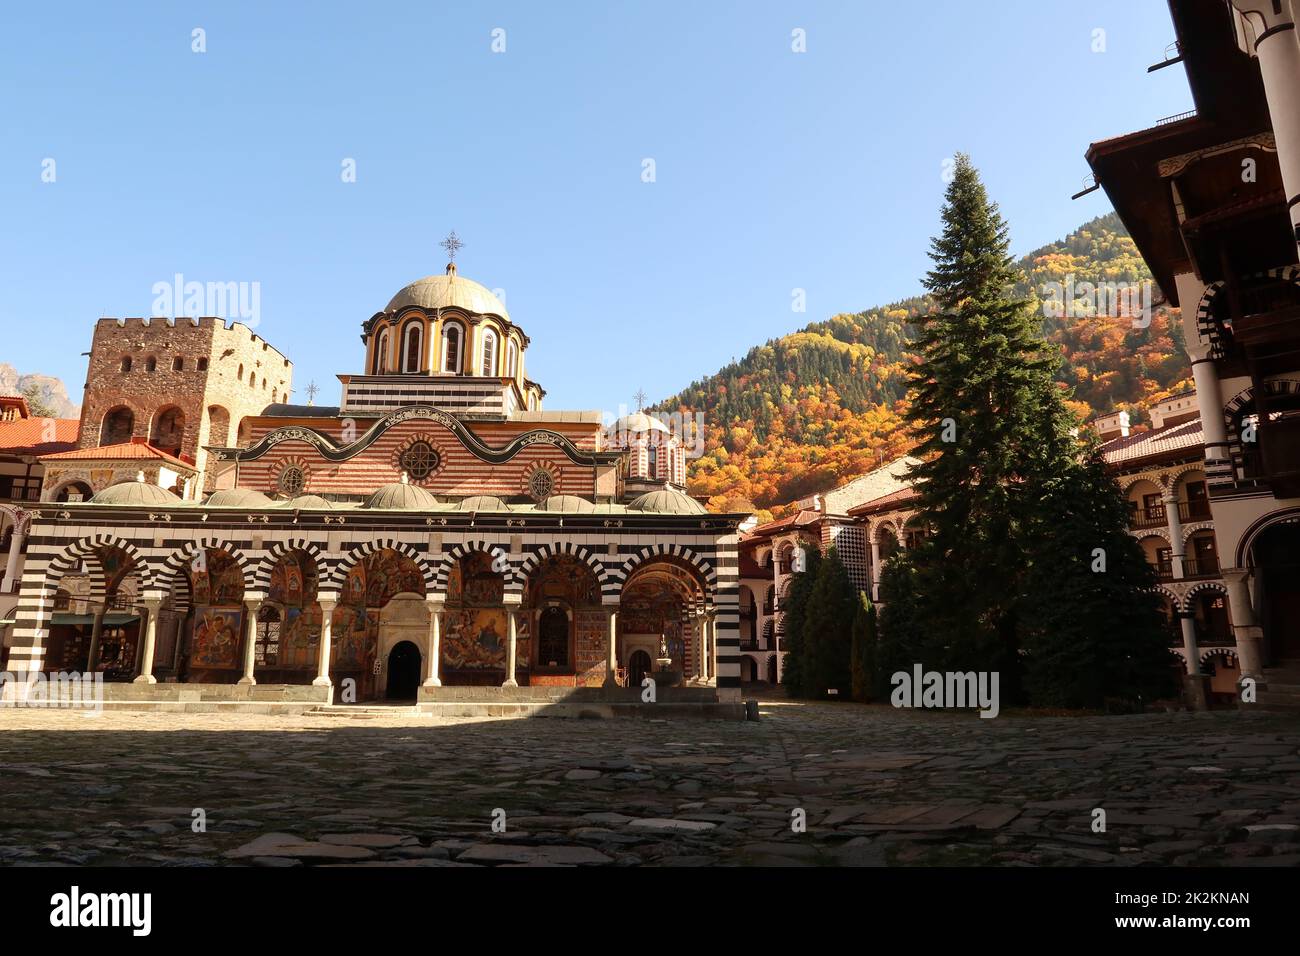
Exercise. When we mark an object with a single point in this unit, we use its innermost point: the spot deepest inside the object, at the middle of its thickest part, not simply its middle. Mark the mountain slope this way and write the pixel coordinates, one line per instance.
(801, 413)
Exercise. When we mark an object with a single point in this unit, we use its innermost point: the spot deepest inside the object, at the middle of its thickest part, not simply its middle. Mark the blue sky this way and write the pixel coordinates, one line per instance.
(774, 170)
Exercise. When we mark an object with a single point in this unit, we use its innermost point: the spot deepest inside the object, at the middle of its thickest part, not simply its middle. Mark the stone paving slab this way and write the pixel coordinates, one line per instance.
(873, 786)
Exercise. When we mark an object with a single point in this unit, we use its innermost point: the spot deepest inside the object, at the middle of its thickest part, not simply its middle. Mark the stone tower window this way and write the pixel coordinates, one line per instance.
(292, 481)
(178, 364)
(118, 426)
(150, 364)
(126, 363)
(203, 365)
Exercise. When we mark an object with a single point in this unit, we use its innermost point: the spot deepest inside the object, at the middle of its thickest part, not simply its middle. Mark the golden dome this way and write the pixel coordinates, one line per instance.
(447, 292)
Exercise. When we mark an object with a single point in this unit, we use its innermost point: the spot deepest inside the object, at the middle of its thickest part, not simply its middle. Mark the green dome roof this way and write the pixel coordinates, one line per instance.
(135, 493)
(400, 496)
(483, 503)
(668, 502)
(238, 498)
(569, 503)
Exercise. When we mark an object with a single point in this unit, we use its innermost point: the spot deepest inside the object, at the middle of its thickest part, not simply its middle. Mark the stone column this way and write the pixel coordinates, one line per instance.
(875, 568)
(1175, 525)
(1195, 683)
(150, 640)
(324, 649)
(11, 565)
(611, 658)
(250, 641)
(510, 650)
(96, 632)
(431, 678)
(1245, 626)
(706, 641)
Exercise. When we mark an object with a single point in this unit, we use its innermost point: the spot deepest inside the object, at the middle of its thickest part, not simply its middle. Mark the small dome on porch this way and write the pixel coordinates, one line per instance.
(137, 492)
(305, 503)
(402, 496)
(667, 502)
(571, 504)
(483, 503)
(237, 498)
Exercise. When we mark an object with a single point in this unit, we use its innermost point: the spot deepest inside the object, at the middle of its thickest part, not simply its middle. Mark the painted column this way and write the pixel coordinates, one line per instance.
(510, 650)
(1175, 525)
(250, 641)
(1245, 626)
(1278, 51)
(431, 678)
(96, 631)
(611, 658)
(325, 648)
(875, 568)
(11, 565)
(150, 640)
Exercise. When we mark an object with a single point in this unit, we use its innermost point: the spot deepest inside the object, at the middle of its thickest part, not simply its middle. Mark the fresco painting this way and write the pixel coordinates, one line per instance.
(216, 637)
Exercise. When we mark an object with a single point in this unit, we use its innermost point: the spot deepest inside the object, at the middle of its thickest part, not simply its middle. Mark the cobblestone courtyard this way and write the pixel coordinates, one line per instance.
(878, 786)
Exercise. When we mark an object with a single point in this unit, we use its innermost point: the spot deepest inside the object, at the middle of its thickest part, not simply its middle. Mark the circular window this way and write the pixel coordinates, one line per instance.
(292, 480)
(540, 484)
(419, 460)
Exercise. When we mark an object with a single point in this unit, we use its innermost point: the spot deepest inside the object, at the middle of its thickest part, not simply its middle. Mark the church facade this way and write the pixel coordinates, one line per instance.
(437, 529)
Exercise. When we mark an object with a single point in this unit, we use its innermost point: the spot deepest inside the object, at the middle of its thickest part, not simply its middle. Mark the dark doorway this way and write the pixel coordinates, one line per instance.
(403, 671)
(771, 669)
(553, 639)
(1277, 560)
(638, 666)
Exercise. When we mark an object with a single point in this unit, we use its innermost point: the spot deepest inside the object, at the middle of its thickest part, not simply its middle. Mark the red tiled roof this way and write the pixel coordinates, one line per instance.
(126, 451)
(800, 519)
(884, 503)
(1183, 436)
(27, 436)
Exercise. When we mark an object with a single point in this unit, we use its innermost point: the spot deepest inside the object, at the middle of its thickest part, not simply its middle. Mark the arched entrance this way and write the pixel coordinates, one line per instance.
(638, 666)
(403, 671)
(1276, 557)
(553, 638)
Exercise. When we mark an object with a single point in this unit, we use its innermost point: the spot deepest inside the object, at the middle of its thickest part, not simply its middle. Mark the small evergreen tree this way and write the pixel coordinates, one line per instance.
(795, 609)
(1094, 630)
(864, 650)
(827, 636)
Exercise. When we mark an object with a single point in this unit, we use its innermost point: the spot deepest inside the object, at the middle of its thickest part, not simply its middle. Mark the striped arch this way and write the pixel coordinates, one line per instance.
(262, 573)
(1246, 542)
(1174, 602)
(1203, 586)
(608, 586)
(1207, 331)
(709, 576)
(1181, 470)
(84, 550)
(893, 523)
(367, 548)
(1228, 654)
(1156, 478)
(1161, 533)
(178, 560)
(1191, 529)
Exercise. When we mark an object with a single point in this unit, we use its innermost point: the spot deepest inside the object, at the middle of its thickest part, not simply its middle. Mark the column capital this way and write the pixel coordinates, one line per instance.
(152, 602)
(254, 604)
(331, 599)
(435, 602)
(1234, 575)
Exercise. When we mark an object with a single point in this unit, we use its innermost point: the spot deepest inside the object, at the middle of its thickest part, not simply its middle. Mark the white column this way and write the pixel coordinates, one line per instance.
(431, 678)
(710, 647)
(1245, 627)
(611, 658)
(510, 650)
(323, 651)
(250, 641)
(1279, 66)
(1188, 623)
(11, 566)
(150, 639)
(1175, 525)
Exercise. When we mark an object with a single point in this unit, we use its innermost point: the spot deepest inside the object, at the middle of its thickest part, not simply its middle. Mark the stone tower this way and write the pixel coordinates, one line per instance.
(179, 384)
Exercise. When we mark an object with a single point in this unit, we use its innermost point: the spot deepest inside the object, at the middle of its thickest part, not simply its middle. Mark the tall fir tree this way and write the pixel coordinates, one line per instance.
(863, 654)
(991, 426)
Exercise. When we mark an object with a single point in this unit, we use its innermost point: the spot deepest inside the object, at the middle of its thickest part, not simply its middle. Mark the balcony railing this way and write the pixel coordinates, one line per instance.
(1202, 567)
(24, 494)
(1157, 517)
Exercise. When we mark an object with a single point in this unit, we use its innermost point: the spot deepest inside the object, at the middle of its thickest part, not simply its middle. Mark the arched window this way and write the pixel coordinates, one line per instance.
(652, 461)
(241, 371)
(168, 431)
(512, 358)
(452, 338)
(381, 354)
(126, 363)
(489, 352)
(252, 380)
(118, 426)
(178, 364)
(150, 364)
(412, 338)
